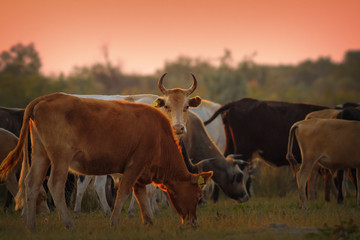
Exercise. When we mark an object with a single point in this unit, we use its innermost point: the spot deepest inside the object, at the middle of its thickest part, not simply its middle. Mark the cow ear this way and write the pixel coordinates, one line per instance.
(158, 103)
(162, 187)
(194, 102)
(201, 178)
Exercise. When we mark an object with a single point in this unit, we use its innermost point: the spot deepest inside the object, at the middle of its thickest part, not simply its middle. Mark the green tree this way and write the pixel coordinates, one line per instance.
(20, 59)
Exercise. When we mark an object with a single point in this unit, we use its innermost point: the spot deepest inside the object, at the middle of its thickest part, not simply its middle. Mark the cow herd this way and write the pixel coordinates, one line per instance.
(175, 142)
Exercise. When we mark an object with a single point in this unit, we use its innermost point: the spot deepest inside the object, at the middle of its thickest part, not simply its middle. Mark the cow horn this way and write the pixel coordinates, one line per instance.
(161, 85)
(193, 87)
(234, 156)
(241, 162)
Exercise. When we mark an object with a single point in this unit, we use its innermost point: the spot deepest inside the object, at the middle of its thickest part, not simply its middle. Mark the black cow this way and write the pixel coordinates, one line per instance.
(252, 125)
(11, 120)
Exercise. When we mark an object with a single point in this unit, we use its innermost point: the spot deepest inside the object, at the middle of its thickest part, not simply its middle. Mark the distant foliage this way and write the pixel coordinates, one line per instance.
(319, 82)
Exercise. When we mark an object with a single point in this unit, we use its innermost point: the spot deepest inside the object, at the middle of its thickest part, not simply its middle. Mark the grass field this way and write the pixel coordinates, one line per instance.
(264, 216)
(259, 218)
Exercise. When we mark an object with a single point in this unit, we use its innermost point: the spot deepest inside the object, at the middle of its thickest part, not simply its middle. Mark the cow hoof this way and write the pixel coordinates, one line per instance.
(108, 213)
(70, 226)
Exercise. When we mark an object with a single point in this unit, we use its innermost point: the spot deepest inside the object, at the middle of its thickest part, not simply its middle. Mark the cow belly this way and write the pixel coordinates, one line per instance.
(340, 160)
(80, 164)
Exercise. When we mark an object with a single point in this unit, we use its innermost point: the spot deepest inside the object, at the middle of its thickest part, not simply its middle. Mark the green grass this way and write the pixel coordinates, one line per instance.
(225, 219)
(272, 213)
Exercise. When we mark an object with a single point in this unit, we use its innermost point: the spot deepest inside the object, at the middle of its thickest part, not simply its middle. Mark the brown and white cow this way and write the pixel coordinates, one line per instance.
(176, 103)
(96, 137)
(331, 143)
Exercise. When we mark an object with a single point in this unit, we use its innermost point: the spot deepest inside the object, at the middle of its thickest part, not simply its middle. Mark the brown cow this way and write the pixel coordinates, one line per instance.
(331, 143)
(97, 137)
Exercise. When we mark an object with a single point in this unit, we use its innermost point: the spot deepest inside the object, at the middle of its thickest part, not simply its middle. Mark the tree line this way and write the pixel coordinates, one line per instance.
(321, 81)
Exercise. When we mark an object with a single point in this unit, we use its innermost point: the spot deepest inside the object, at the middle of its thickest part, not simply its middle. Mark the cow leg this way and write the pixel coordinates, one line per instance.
(109, 191)
(127, 182)
(11, 184)
(152, 196)
(327, 179)
(301, 177)
(8, 201)
(69, 188)
(314, 177)
(56, 184)
(144, 203)
(131, 206)
(100, 182)
(33, 182)
(339, 181)
(215, 194)
(358, 186)
(82, 183)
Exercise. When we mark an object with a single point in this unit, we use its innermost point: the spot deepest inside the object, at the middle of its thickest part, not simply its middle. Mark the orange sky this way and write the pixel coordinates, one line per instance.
(142, 34)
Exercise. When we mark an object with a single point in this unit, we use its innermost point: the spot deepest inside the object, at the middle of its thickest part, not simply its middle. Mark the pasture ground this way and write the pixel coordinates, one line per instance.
(259, 218)
(272, 213)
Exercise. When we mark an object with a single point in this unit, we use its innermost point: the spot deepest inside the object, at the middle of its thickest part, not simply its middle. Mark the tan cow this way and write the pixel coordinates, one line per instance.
(314, 177)
(96, 137)
(331, 143)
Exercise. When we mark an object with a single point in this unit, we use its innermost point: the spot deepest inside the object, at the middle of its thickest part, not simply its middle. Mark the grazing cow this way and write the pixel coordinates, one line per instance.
(319, 140)
(134, 139)
(227, 171)
(175, 104)
(252, 125)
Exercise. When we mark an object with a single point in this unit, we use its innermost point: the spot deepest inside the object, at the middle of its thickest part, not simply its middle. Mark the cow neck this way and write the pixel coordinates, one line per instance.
(173, 167)
(199, 145)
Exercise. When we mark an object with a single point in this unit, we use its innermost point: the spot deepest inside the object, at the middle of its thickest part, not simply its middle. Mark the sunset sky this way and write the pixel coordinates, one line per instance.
(142, 34)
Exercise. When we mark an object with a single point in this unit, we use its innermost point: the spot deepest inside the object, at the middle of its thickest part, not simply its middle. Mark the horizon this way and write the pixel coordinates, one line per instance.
(141, 37)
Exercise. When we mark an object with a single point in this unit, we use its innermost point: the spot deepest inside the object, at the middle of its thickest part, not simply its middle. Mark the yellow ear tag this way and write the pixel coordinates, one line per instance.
(201, 180)
(155, 104)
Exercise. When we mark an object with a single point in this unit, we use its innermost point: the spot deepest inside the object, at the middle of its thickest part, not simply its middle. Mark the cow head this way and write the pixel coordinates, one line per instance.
(232, 180)
(186, 194)
(176, 103)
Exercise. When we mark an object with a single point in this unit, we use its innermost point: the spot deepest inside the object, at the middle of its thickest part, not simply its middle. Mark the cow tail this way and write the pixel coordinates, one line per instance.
(20, 196)
(290, 156)
(217, 112)
(16, 154)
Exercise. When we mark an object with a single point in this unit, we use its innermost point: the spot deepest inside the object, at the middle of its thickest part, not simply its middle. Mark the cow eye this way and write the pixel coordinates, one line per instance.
(239, 177)
(167, 108)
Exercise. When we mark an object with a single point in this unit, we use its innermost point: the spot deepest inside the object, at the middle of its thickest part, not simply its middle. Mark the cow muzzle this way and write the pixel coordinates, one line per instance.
(243, 199)
(179, 129)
